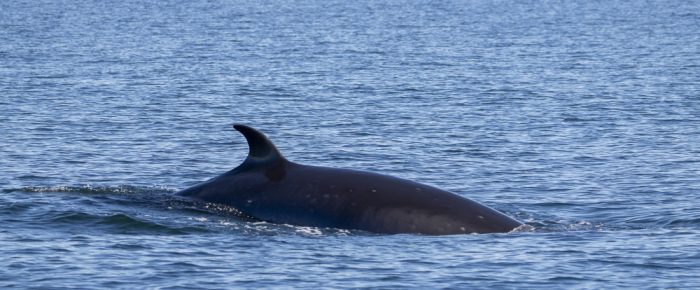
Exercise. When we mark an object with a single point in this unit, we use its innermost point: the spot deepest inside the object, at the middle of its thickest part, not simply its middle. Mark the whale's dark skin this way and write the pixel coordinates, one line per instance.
(268, 187)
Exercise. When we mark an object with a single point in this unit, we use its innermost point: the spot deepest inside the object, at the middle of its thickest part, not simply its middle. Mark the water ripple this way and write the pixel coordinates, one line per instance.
(578, 118)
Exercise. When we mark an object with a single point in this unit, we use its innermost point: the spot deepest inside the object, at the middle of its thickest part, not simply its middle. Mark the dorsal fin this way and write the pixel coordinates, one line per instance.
(261, 149)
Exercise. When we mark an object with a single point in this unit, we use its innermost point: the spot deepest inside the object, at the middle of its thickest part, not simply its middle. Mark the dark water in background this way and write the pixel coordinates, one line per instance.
(580, 119)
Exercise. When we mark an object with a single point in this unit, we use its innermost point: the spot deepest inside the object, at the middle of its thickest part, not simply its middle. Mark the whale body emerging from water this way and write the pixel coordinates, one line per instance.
(268, 187)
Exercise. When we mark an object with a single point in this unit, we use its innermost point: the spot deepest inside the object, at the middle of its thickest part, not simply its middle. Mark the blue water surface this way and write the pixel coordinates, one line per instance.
(579, 118)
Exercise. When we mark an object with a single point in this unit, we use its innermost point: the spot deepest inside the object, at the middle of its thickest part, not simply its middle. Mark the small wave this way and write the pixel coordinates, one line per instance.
(524, 228)
(576, 119)
(684, 222)
(316, 231)
(312, 231)
(551, 224)
(555, 204)
(90, 189)
(119, 223)
(658, 220)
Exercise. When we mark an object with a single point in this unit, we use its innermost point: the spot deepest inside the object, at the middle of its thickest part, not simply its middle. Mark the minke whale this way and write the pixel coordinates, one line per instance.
(268, 187)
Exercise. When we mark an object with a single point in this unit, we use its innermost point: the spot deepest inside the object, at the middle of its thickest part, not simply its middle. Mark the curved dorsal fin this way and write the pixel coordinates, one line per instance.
(261, 149)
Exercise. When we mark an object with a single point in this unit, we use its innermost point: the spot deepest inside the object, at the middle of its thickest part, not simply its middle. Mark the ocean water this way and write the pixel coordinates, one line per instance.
(579, 118)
